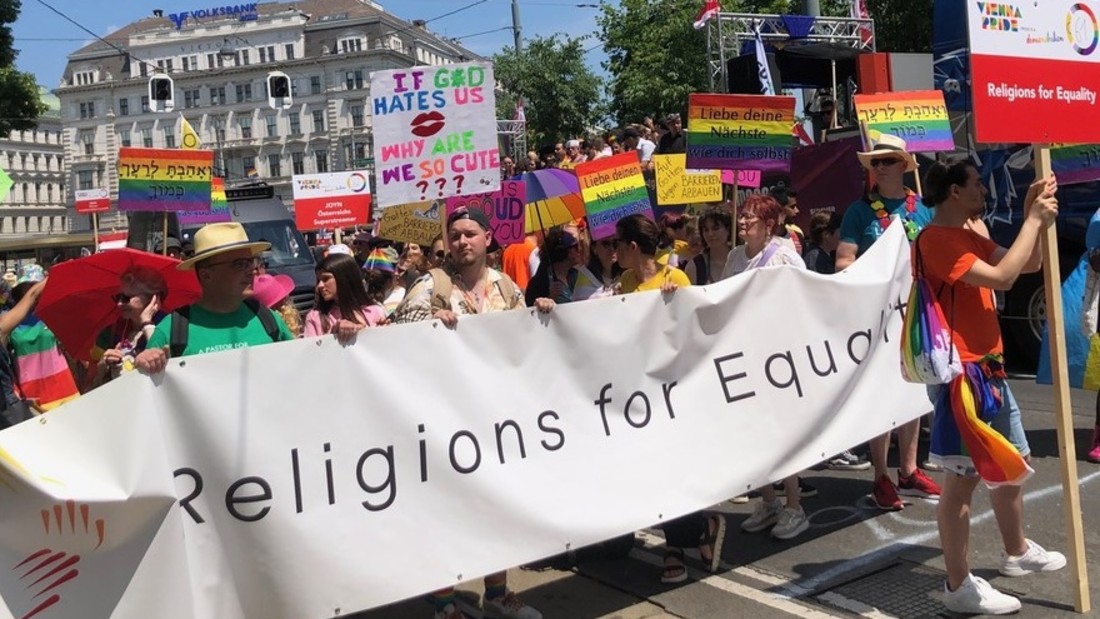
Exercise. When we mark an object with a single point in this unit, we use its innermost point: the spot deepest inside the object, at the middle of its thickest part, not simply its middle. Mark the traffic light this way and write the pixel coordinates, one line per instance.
(278, 90)
(161, 93)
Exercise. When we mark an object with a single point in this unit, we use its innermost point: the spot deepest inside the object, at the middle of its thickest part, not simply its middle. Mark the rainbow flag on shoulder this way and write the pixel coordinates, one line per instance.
(43, 372)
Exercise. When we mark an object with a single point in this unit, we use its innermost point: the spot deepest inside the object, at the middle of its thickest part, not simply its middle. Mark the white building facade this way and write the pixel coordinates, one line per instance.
(34, 160)
(219, 65)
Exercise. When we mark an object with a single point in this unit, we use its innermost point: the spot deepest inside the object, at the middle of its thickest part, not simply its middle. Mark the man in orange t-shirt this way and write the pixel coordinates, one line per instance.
(516, 258)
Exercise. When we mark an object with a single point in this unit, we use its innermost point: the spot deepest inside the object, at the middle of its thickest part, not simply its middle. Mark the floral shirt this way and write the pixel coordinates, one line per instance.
(417, 305)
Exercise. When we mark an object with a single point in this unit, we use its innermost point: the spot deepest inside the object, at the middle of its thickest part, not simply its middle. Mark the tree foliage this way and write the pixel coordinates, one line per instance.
(20, 105)
(902, 25)
(562, 96)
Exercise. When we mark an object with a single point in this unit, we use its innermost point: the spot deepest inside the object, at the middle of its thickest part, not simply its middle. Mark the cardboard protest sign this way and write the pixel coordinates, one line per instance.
(612, 188)
(739, 132)
(750, 179)
(331, 200)
(219, 208)
(1076, 164)
(918, 117)
(1035, 73)
(417, 222)
(164, 179)
(92, 201)
(678, 185)
(435, 132)
(505, 209)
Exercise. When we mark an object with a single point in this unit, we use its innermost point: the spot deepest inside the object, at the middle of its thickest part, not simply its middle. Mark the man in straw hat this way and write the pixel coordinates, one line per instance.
(222, 319)
(864, 222)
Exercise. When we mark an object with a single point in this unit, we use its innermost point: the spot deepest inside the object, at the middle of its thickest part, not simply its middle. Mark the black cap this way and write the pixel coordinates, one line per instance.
(475, 215)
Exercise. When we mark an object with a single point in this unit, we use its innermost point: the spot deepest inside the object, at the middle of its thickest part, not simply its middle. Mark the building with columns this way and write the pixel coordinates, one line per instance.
(34, 160)
(219, 60)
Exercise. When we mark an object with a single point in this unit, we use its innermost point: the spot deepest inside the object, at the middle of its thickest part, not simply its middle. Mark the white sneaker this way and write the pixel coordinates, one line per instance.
(791, 523)
(1036, 559)
(763, 516)
(509, 607)
(450, 611)
(975, 596)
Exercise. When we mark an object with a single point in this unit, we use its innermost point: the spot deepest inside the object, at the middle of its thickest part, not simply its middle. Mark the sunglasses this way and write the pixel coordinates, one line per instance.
(888, 161)
(240, 264)
(122, 298)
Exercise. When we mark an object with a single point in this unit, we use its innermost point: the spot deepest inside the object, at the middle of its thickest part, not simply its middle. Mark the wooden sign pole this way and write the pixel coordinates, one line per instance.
(1067, 451)
(95, 232)
(164, 238)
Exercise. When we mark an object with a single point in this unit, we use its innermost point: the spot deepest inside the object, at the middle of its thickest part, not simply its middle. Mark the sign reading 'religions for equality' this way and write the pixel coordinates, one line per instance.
(612, 188)
(435, 132)
(740, 132)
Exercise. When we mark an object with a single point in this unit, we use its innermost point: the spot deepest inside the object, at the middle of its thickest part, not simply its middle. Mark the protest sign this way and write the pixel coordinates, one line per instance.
(919, 117)
(435, 132)
(612, 188)
(417, 222)
(164, 179)
(505, 209)
(1035, 72)
(5, 184)
(219, 208)
(92, 201)
(739, 132)
(750, 179)
(1076, 164)
(678, 185)
(331, 200)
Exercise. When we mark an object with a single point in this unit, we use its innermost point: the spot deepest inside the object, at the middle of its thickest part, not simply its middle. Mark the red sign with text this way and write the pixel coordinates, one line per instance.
(331, 200)
(92, 201)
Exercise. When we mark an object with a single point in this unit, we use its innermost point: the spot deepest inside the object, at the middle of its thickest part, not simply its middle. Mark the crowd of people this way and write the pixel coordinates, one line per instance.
(373, 282)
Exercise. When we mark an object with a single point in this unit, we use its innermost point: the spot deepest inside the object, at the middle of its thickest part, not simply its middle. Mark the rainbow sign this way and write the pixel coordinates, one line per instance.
(153, 179)
(918, 117)
(1075, 164)
(739, 132)
(219, 208)
(612, 188)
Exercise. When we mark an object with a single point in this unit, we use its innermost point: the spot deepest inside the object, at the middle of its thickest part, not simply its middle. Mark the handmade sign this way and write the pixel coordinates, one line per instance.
(1076, 164)
(164, 179)
(918, 117)
(335, 199)
(739, 132)
(92, 201)
(219, 208)
(678, 185)
(5, 184)
(435, 132)
(505, 209)
(750, 179)
(612, 188)
(417, 222)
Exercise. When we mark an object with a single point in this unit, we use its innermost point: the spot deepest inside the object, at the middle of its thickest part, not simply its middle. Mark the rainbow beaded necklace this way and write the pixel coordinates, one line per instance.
(879, 207)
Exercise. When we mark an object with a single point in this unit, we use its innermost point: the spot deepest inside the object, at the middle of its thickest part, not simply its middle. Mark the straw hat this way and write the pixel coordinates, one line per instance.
(885, 145)
(215, 239)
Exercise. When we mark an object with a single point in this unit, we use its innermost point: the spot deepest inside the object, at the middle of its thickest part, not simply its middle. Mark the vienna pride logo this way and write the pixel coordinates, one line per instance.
(1082, 29)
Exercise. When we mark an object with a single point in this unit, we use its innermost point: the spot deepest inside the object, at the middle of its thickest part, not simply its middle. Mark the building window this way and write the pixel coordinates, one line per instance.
(147, 137)
(191, 98)
(144, 103)
(297, 163)
(274, 166)
(169, 137)
(320, 157)
(354, 79)
(144, 69)
(217, 96)
(289, 51)
(348, 46)
(124, 136)
(210, 63)
(243, 58)
(295, 123)
(87, 138)
(315, 85)
(84, 179)
(244, 92)
(357, 116)
(87, 109)
(246, 126)
(124, 107)
(272, 127)
(318, 121)
(267, 54)
(248, 164)
(185, 64)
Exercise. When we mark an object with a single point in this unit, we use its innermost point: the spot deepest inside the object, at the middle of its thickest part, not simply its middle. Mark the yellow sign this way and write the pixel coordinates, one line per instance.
(418, 222)
(678, 185)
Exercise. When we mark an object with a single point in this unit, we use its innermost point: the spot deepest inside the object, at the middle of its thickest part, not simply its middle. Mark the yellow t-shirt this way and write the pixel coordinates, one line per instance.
(629, 281)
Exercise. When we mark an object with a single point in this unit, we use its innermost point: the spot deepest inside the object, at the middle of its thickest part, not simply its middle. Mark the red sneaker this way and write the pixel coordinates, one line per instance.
(918, 484)
(885, 494)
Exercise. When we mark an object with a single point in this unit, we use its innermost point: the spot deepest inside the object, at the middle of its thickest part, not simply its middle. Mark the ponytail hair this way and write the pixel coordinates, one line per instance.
(942, 175)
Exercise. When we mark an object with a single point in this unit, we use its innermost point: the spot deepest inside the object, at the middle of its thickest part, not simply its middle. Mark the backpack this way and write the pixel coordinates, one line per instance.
(442, 288)
(13, 408)
(181, 322)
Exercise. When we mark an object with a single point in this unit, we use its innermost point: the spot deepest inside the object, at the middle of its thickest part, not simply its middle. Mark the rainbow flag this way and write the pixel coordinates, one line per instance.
(919, 117)
(151, 179)
(739, 132)
(1078, 163)
(612, 188)
(44, 375)
(218, 211)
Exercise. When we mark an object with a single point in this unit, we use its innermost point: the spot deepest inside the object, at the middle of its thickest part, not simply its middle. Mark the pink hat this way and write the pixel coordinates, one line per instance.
(270, 289)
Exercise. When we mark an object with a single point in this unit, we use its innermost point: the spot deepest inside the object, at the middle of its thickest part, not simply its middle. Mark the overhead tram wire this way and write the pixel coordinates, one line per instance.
(99, 38)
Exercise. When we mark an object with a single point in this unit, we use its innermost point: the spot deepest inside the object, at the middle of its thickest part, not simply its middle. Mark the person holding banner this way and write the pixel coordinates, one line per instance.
(341, 305)
(864, 221)
(141, 292)
(717, 232)
(976, 430)
(557, 275)
(600, 277)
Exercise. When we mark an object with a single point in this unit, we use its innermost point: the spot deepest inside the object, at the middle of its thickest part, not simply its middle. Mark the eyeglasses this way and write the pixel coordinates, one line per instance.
(122, 298)
(240, 264)
(747, 217)
(888, 161)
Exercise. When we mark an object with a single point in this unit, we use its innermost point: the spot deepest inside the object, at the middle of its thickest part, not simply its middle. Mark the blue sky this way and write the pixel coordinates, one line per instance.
(45, 39)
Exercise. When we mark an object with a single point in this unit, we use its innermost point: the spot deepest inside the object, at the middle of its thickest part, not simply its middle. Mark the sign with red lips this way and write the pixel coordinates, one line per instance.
(427, 124)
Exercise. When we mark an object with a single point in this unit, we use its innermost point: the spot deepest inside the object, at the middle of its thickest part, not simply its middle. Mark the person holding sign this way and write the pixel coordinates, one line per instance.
(989, 443)
(864, 221)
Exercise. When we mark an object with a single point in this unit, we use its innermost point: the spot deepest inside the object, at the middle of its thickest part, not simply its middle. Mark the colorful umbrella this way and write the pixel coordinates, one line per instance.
(549, 183)
(553, 198)
(77, 302)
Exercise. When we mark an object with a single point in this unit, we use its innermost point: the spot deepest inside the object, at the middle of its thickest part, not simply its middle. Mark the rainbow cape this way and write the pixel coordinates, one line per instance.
(43, 372)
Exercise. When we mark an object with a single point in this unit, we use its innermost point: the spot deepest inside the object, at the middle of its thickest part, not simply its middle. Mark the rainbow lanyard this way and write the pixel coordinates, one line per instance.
(877, 205)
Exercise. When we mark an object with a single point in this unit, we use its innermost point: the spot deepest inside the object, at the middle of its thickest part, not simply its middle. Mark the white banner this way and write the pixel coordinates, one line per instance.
(1056, 30)
(307, 479)
(435, 132)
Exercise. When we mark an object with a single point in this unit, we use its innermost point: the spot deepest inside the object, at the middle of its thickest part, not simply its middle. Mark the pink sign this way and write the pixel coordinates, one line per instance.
(745, 178)
(505, 208)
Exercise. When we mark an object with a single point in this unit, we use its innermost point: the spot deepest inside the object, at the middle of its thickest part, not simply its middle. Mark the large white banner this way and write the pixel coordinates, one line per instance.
(307, 479)
(435, 132)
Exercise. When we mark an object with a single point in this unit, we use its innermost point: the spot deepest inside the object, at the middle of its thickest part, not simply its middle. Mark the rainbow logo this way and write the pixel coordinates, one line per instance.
(1082, 29)
(357, 182)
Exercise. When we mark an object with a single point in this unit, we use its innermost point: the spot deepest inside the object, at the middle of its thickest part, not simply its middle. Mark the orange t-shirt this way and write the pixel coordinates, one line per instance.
(971, 311)
(514, 262)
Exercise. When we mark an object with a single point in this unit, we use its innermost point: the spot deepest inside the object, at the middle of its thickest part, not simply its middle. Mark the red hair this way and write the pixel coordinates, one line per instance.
(763, 206)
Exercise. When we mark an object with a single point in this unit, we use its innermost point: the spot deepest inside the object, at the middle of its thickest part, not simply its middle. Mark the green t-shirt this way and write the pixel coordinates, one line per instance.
(211, 332)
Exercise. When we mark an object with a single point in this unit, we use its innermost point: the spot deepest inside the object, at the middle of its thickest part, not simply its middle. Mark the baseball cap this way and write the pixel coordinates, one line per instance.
(475, 215)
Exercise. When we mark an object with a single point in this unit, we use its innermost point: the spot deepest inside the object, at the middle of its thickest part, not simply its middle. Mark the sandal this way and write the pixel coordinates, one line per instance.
(674, 572)
(712, 541)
